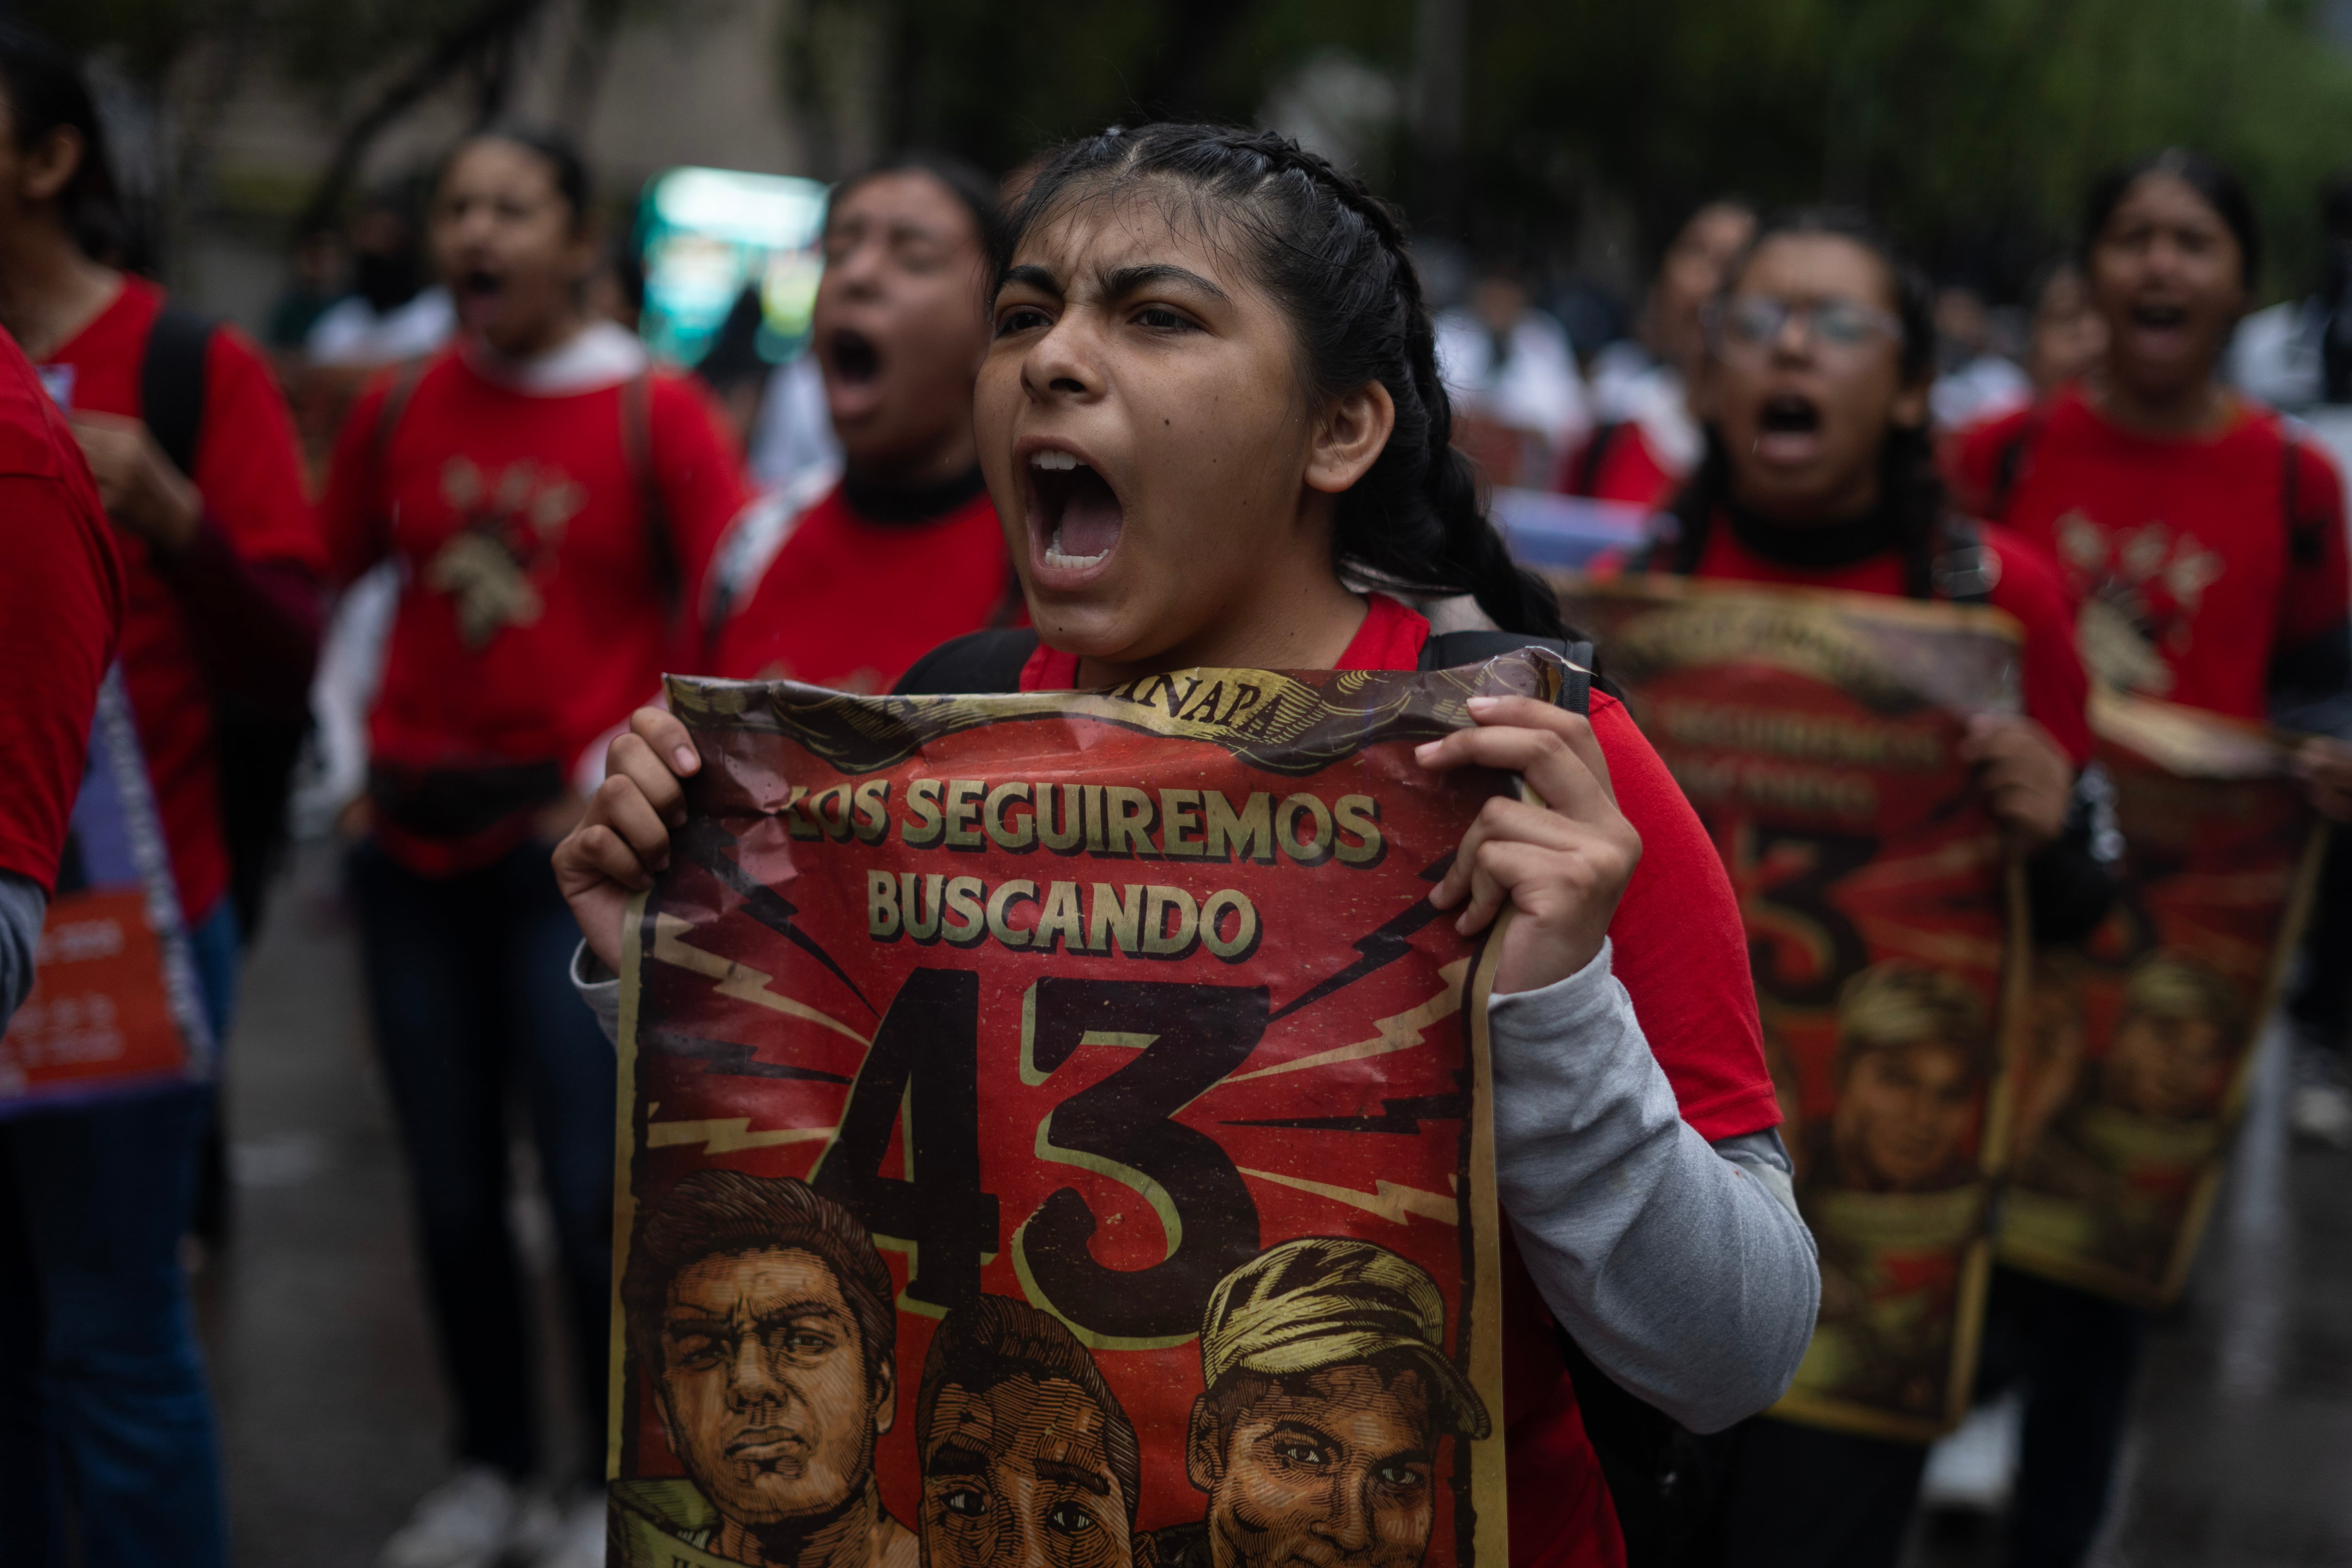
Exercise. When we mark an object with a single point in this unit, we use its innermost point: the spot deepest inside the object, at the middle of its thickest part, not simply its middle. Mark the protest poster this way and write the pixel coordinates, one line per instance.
(2136, 1062)
(1073, 1093)
(114, 1007)
(1817, 735)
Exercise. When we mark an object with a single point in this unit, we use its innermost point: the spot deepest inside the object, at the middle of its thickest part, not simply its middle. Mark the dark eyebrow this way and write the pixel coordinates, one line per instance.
(1063, 1470)
(1129, 280)
(955, 1459)
(1030, 275)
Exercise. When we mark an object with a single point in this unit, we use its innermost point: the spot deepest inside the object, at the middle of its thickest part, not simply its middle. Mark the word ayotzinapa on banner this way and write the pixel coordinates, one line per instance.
(114, 1007)
(2142, 1045)
(1054, 1086)
(1818, 736)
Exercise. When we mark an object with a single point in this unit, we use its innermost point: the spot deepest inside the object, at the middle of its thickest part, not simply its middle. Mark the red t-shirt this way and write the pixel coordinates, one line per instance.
(850, 603)
(2186, 538)
(1682, 956)
(1628, 469)
(249, 472)
(62, 605)
(2027, 586)
(533, 616)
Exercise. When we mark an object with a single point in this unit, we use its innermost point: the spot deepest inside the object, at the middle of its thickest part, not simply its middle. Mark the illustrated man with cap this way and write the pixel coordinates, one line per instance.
(1327, 1389)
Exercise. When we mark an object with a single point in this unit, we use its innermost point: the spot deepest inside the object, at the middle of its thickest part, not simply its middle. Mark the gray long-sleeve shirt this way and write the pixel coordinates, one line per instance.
(1681, 1267)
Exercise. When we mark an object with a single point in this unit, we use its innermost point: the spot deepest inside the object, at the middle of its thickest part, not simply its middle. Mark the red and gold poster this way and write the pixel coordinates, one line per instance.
(1055, 1131)
(114, 1006)
(1817, 735)
(2136, 1062)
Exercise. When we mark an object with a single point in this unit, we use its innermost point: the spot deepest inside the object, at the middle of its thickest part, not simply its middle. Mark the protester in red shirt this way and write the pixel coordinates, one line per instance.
(61, 619)
(219, 582)
(2207, 541)
(1212, 402)
(552, 502)
(1645, 441)
(905, 549)
(1820, 473)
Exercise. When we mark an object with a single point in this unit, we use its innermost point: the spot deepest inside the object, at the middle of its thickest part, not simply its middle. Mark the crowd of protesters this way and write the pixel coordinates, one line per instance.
(511, 522)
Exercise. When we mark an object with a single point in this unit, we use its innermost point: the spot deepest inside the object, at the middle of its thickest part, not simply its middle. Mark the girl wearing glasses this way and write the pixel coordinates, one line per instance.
(1819, 472)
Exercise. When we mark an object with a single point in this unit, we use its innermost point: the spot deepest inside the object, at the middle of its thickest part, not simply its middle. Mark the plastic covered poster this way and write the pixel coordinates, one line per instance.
(1055, 1131)
(1817, 735)
(2137, 1060)
(114, 1006)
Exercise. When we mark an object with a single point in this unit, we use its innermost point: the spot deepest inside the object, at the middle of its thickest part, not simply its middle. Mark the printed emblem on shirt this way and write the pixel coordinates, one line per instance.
(507, 536)
(2142, 588)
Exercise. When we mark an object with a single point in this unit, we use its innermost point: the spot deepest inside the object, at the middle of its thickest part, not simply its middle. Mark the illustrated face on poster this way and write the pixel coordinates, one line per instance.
(2121, 1140)
(1818, 736)
(1056, 1136)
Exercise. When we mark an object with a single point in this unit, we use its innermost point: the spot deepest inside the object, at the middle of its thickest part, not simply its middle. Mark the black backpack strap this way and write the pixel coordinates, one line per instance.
(1451, 651)
(977, 662)
(1965, 571)
(637, 447)
(2306, 535)
(1584, 473)
(2008, 467)
(171, 382)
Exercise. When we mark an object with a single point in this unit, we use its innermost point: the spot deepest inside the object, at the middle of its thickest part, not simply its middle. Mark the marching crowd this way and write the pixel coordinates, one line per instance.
(1177, 400)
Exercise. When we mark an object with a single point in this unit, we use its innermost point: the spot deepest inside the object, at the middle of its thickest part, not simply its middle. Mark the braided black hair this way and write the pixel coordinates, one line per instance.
(1911, 495)
(1333, 257)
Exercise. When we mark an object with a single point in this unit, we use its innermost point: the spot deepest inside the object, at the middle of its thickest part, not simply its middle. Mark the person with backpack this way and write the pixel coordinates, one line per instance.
(1210, 405)
(182, 430)
(2207, 543)
(850, 585)
(552, 502)
(1820, 473)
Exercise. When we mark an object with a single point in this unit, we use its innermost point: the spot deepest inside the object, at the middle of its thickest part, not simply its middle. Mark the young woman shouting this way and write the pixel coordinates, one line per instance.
(1820, 473)
(551, 504)
(905, 551)
(1210, 405)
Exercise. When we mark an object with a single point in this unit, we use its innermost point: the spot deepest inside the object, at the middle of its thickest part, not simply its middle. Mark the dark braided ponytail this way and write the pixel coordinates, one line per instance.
(1911, 496)
(1333, 256)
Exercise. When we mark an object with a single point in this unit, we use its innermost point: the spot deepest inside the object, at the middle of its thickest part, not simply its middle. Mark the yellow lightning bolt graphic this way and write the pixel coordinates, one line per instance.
(1396, 1033)
(728, 1135)
(1386, 1199)
(737, 980)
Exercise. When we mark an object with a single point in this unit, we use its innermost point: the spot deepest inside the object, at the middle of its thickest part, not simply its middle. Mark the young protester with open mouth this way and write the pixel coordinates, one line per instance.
(905, 549)
(552, 502)
(1820, 473)
(2207, 543)
(1210, 405)
(183, 430)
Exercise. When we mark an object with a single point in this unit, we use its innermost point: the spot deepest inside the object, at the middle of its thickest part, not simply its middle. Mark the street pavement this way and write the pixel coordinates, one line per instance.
(2240, 1454)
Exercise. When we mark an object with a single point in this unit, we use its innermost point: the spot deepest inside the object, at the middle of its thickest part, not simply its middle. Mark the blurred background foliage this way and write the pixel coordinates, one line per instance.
(1566, 133)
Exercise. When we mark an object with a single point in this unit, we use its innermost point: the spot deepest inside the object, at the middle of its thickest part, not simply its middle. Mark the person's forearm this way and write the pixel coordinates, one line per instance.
(255, 624)
(1682, 1269)
(22, 909)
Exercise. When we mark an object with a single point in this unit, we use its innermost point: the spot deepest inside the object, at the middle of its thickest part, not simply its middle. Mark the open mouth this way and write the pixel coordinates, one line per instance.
(2159, 318)
(1789, 415)
(1789, 429)
(479, 285)
(855, 358)
(1075, 517)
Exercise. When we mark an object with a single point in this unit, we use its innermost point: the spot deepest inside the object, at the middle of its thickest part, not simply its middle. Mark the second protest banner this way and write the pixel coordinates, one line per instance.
(1818, 736)
(2138, 1058)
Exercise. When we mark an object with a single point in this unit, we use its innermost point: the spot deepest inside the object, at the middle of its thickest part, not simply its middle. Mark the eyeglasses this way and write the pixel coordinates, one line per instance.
(1751, 323)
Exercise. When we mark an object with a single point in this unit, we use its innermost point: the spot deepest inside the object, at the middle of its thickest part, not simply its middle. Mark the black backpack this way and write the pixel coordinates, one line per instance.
(254, 750)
